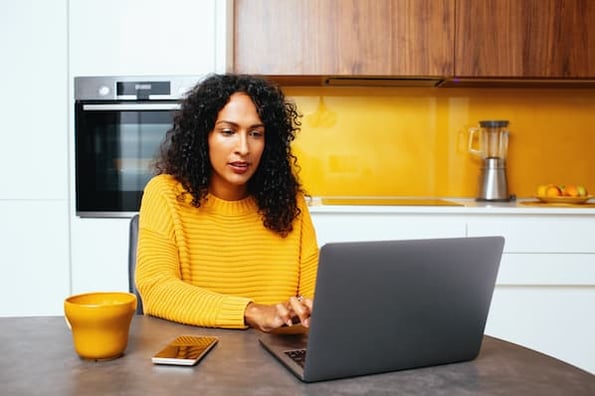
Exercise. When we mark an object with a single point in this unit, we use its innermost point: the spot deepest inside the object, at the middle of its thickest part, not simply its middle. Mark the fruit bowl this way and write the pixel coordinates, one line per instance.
(564, 199)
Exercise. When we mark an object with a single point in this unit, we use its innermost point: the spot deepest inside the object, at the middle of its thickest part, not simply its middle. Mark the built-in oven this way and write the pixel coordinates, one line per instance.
(120, 123)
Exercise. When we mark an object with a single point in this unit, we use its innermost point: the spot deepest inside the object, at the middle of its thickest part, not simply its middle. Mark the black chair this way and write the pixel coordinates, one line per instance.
(133, 239)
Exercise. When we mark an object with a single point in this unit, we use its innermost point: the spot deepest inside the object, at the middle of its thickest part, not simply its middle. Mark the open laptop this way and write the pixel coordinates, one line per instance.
(392, 305)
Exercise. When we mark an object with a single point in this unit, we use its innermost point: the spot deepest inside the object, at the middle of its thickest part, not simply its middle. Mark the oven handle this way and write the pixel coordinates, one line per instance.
(132, 106)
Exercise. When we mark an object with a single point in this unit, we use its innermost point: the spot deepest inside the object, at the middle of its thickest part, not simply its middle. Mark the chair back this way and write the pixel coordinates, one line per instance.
(133, 241)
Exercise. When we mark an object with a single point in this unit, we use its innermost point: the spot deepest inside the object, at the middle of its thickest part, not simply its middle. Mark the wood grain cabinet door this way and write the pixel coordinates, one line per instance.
(344, 37)
(525, 38)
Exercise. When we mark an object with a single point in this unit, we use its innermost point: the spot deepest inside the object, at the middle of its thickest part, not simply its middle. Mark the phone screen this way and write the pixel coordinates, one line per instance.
(185, 350)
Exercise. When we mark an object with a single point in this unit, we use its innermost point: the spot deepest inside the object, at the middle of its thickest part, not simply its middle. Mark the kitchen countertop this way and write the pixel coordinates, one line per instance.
(447, 206)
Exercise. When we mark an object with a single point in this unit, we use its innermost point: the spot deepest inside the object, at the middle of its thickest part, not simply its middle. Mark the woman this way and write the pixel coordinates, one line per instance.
(225, 237)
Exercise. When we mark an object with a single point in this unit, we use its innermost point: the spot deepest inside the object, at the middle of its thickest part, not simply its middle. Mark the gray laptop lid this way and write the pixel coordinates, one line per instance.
(391, 305)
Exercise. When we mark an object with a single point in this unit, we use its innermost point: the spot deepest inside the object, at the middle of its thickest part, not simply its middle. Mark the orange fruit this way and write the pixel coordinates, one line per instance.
(553, 191)
(570, 190)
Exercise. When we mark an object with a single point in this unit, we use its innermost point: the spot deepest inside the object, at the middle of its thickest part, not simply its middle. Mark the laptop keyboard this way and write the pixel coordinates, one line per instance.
(298, 356)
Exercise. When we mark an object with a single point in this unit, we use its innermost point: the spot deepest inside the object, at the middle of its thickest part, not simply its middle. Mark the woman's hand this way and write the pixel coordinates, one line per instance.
(269, 317)
(302, 308)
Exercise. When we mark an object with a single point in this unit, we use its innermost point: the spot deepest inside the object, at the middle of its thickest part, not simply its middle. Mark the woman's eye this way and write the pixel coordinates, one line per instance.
(256, 133)
(227, 132)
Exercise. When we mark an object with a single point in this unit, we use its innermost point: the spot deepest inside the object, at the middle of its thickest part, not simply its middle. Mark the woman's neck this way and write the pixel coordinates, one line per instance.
(229, 193)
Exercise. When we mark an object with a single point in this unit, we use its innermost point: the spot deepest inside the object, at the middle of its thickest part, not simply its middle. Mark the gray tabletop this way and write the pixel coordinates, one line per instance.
(37, 358)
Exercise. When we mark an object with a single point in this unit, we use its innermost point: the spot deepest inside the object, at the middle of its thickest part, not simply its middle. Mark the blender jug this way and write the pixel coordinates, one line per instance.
(492, 147)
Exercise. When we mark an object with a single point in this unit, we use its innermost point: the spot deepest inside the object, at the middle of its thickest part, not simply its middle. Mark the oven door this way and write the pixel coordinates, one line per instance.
(115, 144)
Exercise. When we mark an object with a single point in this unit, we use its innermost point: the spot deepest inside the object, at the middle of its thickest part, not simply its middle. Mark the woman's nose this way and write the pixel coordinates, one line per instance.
(242, 146)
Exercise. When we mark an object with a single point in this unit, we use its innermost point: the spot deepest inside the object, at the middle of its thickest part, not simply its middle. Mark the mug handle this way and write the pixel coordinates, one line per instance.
(472, 150)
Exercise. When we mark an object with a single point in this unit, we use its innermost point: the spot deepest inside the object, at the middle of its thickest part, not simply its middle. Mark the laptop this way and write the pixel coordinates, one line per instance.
(392, 305)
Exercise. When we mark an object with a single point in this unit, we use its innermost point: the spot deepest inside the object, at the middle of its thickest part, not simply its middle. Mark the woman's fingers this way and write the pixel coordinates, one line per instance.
(284, 313)
(308, 302)
(302, 307)
(269, 317)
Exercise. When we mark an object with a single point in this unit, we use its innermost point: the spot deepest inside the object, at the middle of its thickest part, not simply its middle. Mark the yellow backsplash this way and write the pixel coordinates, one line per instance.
(413, 141)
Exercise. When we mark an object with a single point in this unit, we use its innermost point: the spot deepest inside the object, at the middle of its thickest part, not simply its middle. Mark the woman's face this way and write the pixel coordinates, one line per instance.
(235, 147)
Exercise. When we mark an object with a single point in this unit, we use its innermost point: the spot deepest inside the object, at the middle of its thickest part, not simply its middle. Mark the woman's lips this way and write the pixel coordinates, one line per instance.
(239, 167)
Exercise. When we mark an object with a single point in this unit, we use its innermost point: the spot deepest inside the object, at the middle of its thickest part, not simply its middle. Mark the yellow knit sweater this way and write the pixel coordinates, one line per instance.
(202, 266)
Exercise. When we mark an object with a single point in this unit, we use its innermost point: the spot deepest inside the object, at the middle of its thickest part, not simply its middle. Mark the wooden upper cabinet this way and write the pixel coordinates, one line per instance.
(412, 38)
(525, 38)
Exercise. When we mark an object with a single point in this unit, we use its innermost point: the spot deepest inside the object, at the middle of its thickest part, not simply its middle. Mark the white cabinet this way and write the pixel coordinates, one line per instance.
(147, 37)
(35, 265)
(99, 254)
(362, 226)
(545, 294)
(34, 133)
(555, 320)
(34, 230)
(134, 37)
(44, 45)
(539, 233)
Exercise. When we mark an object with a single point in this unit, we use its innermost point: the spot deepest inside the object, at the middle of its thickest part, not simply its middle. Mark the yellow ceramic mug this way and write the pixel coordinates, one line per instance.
(100, 323)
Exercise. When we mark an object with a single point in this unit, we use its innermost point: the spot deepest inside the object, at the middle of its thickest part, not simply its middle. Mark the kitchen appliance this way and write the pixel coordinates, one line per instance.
(490, 143)
(119, 124)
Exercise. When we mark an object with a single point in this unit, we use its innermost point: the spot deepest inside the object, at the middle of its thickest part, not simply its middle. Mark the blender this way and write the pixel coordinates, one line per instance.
(490, 143)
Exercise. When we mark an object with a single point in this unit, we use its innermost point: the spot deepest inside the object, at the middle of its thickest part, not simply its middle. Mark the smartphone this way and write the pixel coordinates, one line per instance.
(185, 350)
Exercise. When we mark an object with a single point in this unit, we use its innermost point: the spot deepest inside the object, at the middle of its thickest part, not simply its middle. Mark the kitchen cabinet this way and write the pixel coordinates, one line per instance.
(133, 37)
(151, 37)
(35, 267)
(34, 256)
(344, 38)
(530, 39)
(525, 38)
(545, 291)
(34, 133)
(99, 254)
(344, 227)
(49, 252)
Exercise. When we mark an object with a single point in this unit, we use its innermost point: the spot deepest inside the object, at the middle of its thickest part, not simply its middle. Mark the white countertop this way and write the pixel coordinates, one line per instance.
(467, 206)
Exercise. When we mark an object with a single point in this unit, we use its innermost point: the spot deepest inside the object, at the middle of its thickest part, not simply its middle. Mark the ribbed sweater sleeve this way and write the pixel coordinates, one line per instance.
(202, 266)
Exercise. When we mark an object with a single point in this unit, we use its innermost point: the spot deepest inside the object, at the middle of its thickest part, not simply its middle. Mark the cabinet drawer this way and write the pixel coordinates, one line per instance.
(331, 227)
(549, 269)
(562, 234)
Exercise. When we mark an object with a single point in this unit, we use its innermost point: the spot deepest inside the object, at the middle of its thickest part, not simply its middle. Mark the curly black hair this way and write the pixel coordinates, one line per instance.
(185, 153)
